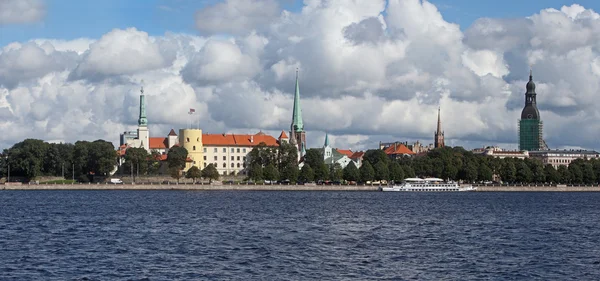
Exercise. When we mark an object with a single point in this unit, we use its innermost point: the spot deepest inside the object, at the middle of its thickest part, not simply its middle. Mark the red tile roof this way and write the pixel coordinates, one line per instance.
(238, 140)
(398, 149)
(346, 152)
(158, 143)
(283, 135)
(357, 155)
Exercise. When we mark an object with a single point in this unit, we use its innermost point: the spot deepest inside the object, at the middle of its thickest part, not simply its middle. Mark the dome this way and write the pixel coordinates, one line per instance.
(530, 85)
(530, 112)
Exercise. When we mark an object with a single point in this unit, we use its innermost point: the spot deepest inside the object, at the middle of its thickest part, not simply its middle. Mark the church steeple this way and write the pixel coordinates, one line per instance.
(326, 140)
(297, 124)
(438, 137)
(530, 111)
(142, 121)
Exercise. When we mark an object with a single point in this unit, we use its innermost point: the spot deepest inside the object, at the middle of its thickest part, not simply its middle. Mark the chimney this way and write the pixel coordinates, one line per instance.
(251, 139)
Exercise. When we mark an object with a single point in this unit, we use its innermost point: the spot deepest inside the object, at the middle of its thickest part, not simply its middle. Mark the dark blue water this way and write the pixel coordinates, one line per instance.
(179, 235)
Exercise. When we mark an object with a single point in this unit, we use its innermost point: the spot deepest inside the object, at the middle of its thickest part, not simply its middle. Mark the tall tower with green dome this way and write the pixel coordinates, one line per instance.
(530, 124)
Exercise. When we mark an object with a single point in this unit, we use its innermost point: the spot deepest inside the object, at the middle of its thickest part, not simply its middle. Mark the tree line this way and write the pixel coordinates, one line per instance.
(450, 163)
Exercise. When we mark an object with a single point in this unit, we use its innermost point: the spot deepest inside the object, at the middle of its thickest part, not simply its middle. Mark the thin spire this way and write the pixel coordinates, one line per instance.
(142, 121)
(439, 123)
(530, 73)
(297, 124)
(326, 140)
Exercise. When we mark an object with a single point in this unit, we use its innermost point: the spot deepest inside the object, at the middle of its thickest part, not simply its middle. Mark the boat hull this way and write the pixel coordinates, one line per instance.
(429, 189)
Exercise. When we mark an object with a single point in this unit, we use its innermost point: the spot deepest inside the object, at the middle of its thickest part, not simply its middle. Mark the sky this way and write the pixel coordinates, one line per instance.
(370, 71)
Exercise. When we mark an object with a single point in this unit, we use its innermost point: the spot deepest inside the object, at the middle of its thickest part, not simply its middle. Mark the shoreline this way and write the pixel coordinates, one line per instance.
(206, 187)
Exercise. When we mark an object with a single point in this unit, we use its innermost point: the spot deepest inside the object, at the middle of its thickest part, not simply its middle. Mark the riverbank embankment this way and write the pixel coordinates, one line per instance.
(489, 188)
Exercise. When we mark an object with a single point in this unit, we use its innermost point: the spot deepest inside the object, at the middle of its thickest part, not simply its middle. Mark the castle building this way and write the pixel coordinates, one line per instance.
(297, 133)
(438, 136)
(530, 124)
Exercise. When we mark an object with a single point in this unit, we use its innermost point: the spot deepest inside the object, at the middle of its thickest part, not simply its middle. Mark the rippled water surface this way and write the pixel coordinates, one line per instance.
(251, 235)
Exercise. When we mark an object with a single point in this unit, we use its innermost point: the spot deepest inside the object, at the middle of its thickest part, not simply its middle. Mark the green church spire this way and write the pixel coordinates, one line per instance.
(297, 124)
(326, 140)
(142, 121)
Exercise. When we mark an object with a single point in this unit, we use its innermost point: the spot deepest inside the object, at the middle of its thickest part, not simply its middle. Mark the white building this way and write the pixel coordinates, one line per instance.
(562, 157)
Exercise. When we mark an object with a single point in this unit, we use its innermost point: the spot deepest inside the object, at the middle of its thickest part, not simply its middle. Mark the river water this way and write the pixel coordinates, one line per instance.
(298, 235)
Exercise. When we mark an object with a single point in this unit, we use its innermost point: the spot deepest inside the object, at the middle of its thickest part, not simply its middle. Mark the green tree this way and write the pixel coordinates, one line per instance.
(367, 173)
(314, 158)
(321, 172)
(193, 173)
(337, 173)
(539, 173)
(509, 171)
(26, 158)
(576, 174)
(565, 175)
(396, 172)
(176, 157)
(408, 171)
(589, 176)
(290, 173)
(255, 172)
(306, 173)
(468, 171)
(210, 172)
(524, 174)
(270, 172)
(381, 171)
(373, 156)
(351, 173)
(484, 173)
(552, 175)
(175, 173)
(288, 162)
(136, 159)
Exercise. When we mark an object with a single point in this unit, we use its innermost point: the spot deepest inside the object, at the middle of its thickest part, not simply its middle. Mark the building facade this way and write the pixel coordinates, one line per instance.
(530, 124)
(498, 152)
(332, 156)
(229, 152)
(562, 157)
(141, 138)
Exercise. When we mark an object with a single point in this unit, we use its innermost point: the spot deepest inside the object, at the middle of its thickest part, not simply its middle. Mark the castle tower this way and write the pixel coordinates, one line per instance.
(143, 134)
(191, 139)
(438, 137)
(297, 128)
(530, 124)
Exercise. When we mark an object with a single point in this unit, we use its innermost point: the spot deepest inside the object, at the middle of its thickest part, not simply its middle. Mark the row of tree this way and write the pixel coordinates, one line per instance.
(453, 163)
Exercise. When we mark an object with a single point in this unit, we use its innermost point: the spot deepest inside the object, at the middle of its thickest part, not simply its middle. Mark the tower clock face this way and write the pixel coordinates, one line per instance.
(529, 116)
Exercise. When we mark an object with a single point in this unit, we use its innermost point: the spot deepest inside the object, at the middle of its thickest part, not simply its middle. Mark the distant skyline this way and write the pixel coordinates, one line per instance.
(369, 71)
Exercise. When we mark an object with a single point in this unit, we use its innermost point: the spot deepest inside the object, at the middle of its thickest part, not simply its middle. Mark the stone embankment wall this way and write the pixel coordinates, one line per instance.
(539, 188)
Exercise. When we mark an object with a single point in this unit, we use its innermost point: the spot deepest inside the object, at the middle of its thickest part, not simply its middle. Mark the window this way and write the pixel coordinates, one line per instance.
(194, 162)
(232, 158)
(224, 158)
(215, 158)
(205, 150)
(244, 158)
(238, 150)
(244, 150)
(224, 165)
(224, 173)
(238, 165)
(215, 150)
(215, 164)
(194, 148)
(238, 158)
(198, 139)
(232, 150)
(204, 157)
(231, 165)
(224, 150)
(188, 139)
(204, 164)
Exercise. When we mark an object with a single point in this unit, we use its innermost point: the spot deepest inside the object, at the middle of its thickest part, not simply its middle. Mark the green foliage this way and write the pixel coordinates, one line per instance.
(136, 160)
(288, 162)
(367, 173)
(374, 156)
(552, 174)
(255, 172)
(381, 171)
(509, 171)
(306, 173)
(524, 174)
(336, 173)
(314, 157)
(565, 175)
(263, 155)
(351, 173)
(270, 172)
(396, 172)
(193, 173)
(175, 173)
(176, 157)
(210, 172)
(322, 172)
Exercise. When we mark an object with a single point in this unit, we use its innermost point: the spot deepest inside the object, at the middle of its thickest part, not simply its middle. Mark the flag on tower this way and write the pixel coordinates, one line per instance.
(192, 110)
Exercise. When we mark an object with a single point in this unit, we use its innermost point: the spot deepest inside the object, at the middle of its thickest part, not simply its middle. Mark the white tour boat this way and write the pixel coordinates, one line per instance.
(428, 184)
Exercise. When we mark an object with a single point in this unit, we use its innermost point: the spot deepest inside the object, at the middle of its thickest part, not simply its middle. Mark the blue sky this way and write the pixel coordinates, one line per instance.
(69, 19)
